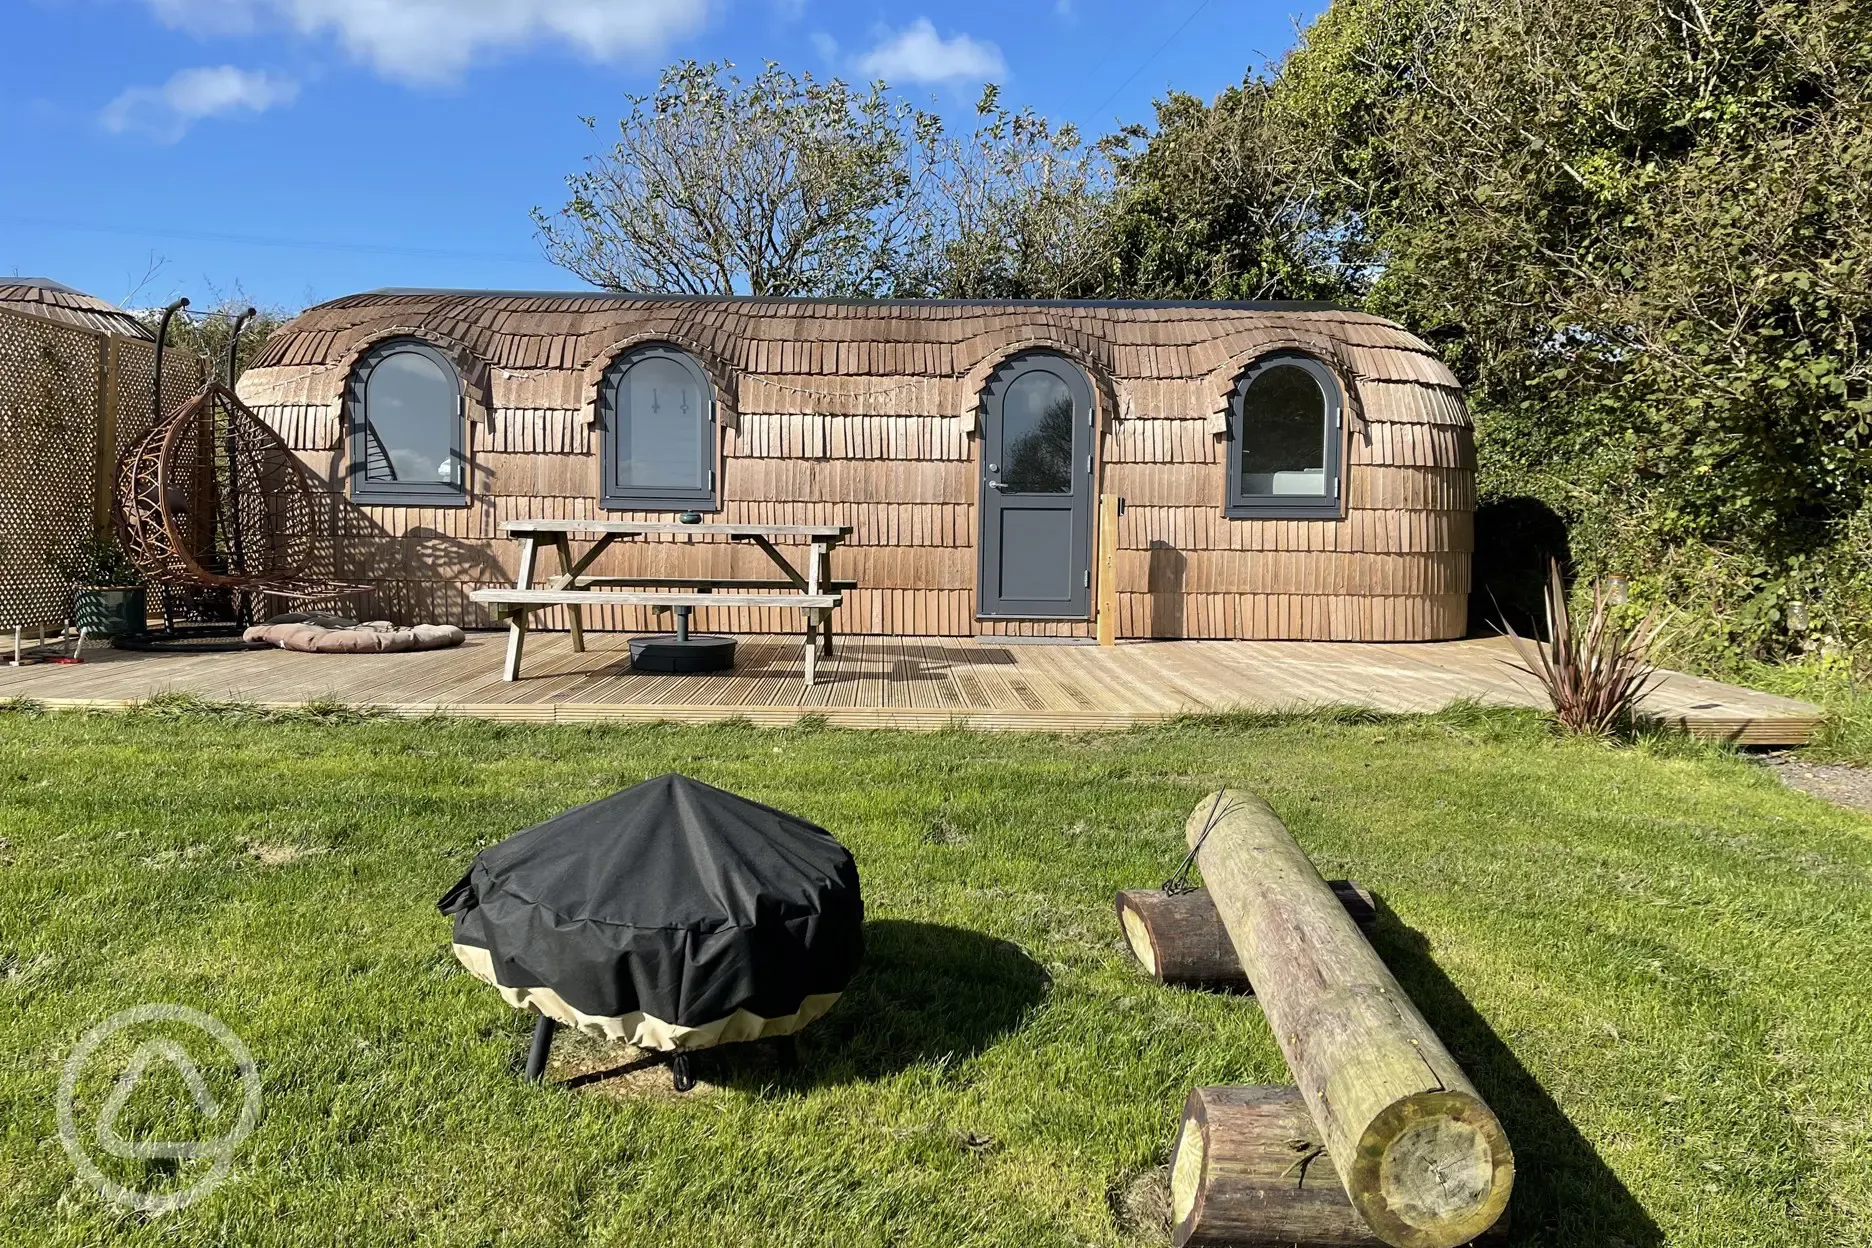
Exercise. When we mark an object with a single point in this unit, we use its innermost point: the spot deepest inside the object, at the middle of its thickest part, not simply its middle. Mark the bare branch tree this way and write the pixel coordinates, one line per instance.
(1018, 209)
(782, 185)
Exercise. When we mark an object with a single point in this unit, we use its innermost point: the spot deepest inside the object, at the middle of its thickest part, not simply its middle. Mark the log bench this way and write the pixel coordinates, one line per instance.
(1421, 1158)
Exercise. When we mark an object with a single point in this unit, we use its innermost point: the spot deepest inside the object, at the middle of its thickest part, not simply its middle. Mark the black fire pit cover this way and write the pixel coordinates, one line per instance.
(672, 915)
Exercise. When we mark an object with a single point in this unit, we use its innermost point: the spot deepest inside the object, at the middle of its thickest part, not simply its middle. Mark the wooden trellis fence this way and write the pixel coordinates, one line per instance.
(73, 398)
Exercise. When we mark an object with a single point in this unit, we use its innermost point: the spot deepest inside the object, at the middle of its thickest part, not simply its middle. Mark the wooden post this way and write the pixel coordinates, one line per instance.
(1249, 1167)
(1180, 939)
(1423, 1159)
(107, 437)
(517, 621)
(1108, 570)
(822, 560)
(516, 642)
(812, 644)
(575, 613)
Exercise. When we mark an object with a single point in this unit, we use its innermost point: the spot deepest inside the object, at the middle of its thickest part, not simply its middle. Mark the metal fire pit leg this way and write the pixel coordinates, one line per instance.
(542, 1048)
(681, 1077)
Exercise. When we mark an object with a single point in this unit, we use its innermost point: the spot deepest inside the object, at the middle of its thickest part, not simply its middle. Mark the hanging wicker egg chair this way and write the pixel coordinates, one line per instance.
(211, 498)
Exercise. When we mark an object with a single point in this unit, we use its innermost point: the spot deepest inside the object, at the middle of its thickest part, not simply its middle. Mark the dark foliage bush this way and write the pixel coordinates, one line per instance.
(1641, 230)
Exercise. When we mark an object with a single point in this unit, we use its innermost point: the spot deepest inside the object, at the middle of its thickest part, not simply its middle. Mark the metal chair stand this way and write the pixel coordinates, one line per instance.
(682, 1074)
(542, 1049)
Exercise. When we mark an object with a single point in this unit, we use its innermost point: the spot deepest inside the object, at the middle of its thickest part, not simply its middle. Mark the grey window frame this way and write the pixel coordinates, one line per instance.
(1240, 506)
(647, 498)
(357, 420)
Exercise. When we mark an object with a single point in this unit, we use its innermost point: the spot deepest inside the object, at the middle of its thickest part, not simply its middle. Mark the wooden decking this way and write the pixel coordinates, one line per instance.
(890, 682)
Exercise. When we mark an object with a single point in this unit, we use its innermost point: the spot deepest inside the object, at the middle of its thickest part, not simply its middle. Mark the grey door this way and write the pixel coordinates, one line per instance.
(1036, 491)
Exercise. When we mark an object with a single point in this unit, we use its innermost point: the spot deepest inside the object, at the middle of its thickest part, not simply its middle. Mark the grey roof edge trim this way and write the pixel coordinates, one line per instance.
(46, 283)
(621, 296)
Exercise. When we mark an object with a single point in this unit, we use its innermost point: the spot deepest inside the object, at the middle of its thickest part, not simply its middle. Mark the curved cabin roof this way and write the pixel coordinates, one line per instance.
(48, 300)
(863, 411)
(1123, 341)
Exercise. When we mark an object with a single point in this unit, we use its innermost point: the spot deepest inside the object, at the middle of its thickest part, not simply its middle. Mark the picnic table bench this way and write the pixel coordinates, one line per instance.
(813, 591)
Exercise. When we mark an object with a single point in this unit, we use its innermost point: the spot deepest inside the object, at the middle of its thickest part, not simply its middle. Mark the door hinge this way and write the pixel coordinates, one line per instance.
(1088, 462)
(1088, 580)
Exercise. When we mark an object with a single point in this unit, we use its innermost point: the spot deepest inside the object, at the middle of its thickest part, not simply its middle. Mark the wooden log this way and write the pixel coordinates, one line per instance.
(1420, 1154)
(1249, 1170)
(1180, 939)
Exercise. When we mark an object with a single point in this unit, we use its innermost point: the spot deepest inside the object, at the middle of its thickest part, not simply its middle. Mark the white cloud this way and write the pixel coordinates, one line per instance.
(918, 54)
(165, 113)
(825, 45)
(435, 40)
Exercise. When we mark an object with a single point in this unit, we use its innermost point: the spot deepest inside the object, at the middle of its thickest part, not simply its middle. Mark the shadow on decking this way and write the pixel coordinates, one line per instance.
(771, 657)
(1564, 1193)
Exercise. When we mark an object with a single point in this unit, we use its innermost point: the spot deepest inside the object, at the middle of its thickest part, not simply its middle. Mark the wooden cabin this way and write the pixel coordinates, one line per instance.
(1286, 470)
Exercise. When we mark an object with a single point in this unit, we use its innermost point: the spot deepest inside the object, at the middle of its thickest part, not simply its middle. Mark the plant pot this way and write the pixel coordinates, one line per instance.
(110, 610)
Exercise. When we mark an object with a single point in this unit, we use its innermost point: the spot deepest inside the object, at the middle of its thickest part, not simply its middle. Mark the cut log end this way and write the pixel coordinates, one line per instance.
(1180, 940)
(1248, 1169)
(1137, 935)
(1186, 1171)
(1433, 1170)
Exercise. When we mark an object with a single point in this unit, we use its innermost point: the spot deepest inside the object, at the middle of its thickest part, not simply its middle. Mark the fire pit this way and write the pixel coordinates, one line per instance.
(674, 916)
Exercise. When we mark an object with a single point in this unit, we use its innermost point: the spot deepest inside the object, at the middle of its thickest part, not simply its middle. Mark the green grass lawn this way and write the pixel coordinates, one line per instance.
(1652, 961)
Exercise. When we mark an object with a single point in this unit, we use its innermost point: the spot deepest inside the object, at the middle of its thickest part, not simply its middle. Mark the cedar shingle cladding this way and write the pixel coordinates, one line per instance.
(49, 301)
(864, 414)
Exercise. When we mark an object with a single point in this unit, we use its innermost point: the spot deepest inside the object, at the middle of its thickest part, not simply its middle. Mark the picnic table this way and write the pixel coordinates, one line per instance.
(813, 590)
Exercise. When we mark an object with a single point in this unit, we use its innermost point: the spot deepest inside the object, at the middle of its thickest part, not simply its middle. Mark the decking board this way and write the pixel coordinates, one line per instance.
(907, 682)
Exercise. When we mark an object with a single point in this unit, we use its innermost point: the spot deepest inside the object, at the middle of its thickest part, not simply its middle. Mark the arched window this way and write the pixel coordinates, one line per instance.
(1284, 440)
(406, 438)
(657, 412)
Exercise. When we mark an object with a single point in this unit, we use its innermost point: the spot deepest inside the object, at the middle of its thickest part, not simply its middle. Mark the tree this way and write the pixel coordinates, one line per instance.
(782, 185)
(1642, 231)
(1224, 201)
(1019, 209)
(206, 331)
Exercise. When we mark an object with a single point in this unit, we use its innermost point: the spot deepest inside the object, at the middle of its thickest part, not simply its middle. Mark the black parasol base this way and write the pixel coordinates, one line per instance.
(682, 652)
(665, 653)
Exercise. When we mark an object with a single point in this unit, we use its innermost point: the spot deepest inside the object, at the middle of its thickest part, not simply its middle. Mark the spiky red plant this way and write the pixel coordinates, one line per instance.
(1595, 673)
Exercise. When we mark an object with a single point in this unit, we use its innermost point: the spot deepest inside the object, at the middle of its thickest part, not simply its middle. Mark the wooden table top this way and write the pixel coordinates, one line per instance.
(817, 532)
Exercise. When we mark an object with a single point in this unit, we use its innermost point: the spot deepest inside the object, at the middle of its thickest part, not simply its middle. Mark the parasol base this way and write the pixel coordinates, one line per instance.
(667, 653)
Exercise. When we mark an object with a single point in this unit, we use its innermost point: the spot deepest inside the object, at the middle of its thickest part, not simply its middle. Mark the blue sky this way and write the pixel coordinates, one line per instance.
(306, 149)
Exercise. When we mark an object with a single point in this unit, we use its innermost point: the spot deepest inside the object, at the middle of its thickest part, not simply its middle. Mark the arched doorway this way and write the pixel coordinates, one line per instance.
(1036, 491)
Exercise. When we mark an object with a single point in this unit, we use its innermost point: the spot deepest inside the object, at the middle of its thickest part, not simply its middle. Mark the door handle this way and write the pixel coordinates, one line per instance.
(997, 485)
